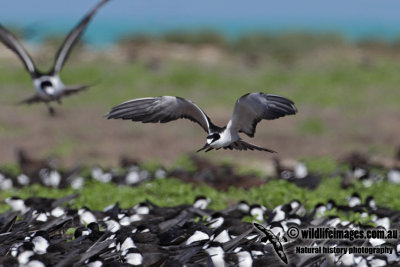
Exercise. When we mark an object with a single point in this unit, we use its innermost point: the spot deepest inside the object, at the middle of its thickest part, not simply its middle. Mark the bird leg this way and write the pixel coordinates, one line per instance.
(51, 110)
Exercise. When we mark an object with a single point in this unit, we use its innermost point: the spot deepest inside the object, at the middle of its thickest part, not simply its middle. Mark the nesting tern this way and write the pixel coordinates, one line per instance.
(48, 85)
(249, 110)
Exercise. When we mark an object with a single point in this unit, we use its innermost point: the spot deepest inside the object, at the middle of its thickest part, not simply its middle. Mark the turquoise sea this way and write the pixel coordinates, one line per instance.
(355, 20)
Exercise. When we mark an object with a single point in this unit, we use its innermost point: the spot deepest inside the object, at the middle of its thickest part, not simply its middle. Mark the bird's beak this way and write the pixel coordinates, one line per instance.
(204, 147)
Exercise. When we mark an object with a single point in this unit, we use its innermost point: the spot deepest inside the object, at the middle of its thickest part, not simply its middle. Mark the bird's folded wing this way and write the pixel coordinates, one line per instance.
(160, 109)
(250, 109)
(12, 43)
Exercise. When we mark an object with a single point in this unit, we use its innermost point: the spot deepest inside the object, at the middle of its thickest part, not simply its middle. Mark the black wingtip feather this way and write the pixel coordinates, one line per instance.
(279, 106)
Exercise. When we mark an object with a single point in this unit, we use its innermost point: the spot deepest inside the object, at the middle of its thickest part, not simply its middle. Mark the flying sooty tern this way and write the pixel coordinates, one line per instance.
(48, 85)
(248, 111)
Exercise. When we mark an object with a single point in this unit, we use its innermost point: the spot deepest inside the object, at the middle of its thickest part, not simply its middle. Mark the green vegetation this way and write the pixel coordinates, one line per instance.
(312, 126)
(323, 165)
(340, 84)
(185, 163)
(8, 130)
(171, 192)
(63, 148)
(286, 47)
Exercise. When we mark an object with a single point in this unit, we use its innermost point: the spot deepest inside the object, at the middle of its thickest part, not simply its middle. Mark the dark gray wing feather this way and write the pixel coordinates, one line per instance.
(242, 145)
(72, 38)
(13, 44)
(160, 109)
(32, 100)
(74, 89)
(250, 109)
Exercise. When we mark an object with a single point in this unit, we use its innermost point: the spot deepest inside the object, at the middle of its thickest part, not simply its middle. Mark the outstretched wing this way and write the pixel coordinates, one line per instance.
(72, 38)
(32, 100)
(160, 109)
(69, 90)
(238, 145)
(12, 43)
(242, 145)
(250, 109)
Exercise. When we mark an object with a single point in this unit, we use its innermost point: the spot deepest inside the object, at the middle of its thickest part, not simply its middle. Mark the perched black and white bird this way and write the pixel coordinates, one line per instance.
(249, 110)
(48, 85)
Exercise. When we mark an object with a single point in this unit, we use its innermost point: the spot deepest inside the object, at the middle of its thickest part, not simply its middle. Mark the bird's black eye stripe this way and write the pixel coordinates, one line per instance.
(213, 136)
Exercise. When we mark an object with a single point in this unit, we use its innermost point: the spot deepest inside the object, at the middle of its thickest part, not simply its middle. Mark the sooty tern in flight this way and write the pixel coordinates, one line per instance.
(249, 110)
(49, 86)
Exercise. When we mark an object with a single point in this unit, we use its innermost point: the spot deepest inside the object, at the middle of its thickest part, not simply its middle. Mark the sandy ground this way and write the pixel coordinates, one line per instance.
(82, 135)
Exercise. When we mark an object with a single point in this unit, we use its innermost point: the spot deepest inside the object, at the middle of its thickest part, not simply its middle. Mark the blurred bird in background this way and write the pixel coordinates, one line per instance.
(48, 85)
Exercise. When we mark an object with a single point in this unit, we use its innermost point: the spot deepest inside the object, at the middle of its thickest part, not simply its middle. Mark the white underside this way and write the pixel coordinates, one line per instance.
(51, 92)
(227, 138)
